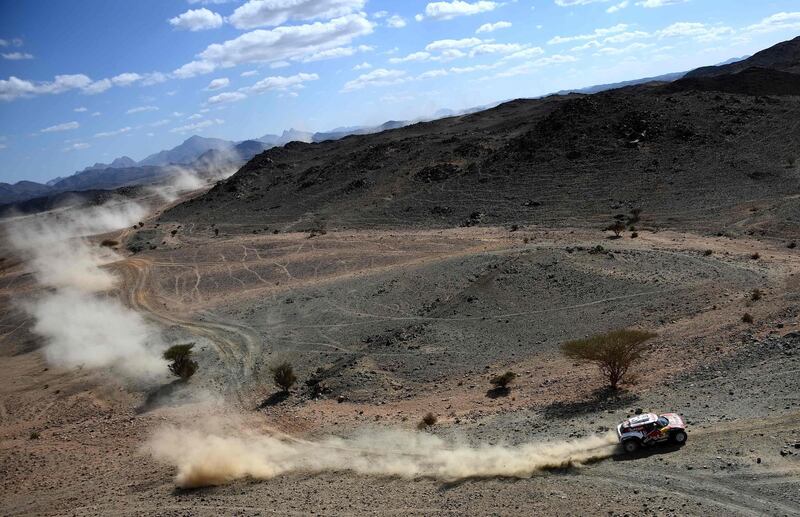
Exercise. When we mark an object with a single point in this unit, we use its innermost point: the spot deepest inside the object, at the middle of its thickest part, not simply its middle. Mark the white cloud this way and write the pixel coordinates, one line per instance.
(659, 3)
(495, 48)
(618, 7)
(432, 73)
(450, 10)
(220, 99)
(532, 66)
(416, 56)
(141, 109)
(330, 54)
(777, 22)
(16, 42)
(570, 3)
(491, 27)
(598, 33)
(280, 44)
(125, 79)
(613, 51)
(14, 88)
(378, 77)
(80, 109)
(281, 83)
(105, 134)
(444, 44)
(218, 84)
(77, 146)
(196, 127)
(17, 56)
(271, 13)
(66, 126)
(96, 114)
(396, 22)
(698, 31)
(195, 116)
(98, 87)
(362, 66)
(248, 73)
(197, 20)
(158, 123)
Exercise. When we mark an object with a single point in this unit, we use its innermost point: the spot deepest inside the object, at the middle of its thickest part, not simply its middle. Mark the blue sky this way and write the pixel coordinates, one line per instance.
(91, 80)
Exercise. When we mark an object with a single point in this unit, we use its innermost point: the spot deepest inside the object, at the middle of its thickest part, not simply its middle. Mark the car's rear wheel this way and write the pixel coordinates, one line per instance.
(631, 446)
(679, 437)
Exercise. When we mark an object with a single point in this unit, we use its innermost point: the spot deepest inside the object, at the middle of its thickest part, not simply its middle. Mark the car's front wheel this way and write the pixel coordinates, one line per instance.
(679, 437)
(631, 446)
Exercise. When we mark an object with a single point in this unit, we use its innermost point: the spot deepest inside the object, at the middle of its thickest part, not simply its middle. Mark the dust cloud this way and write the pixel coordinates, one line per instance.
(81, 323)
(215, 457)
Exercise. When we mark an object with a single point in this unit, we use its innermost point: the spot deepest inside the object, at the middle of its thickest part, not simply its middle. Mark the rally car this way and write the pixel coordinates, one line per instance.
(649, 429)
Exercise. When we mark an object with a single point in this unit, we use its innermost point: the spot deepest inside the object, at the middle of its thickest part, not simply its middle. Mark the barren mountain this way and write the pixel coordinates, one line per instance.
(784, 56)
(697, 154)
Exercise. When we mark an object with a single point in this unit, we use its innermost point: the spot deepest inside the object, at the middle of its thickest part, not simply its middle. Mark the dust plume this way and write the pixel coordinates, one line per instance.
(205, 458)
(83, 325)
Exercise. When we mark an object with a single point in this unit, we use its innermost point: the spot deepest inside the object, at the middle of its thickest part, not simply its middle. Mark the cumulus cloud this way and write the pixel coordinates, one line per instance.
(141, 109)
(396, 22)
(570, 3)
(197, 20)
(66, 126)
(224, 98)
(598, 33)
(280, 44)
(80, 109)
(218, 84)
(116, 132)
(14, 88)
(17, 56)
(362, 66)
(450, 10)
(248, 73)
(777, 22)
(271, 13)
(445, 44)
(618, 7)
(698, 31)
(491, 27)
(416, 56)
(77, 146)
(651, 4)
(282, 83)
(378, 77)
(196, 126)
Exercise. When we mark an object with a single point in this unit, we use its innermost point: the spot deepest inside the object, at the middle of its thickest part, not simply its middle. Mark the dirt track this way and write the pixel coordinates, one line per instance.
(398, 323)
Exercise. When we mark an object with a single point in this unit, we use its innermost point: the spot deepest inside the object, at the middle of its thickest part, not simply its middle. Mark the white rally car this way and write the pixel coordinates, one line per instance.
(649, 429)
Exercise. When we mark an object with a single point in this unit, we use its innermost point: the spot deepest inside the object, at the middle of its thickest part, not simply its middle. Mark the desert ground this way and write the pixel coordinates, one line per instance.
(386, 325)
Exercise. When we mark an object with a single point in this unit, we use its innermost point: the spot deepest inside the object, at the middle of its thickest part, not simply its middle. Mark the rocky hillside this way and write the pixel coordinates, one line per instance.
(721, 156)
(784, 56)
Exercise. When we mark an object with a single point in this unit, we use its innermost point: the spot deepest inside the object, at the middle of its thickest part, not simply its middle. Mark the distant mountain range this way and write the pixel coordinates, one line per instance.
(206, 154)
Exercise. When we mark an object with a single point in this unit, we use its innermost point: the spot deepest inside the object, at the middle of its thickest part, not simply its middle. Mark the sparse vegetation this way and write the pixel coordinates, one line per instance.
(109, 243)
(792, 245)
(283, 376)
(503, 380)
(617, 227)
(182, 364)
(708, 253)
(428, 420)
(34, 435)
(635, 216)
(755, 256)
(756, 295)
(634, 235)
(791, 161)
(747, 318)
(614, 352)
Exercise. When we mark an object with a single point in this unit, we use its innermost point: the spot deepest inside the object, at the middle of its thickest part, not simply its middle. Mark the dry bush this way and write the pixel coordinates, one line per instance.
(502, 381)
(427, 421)
(747, 318)
(755, 256)
(617, 227)
(708, 253)
(614, 352)
(109, 243)
(34, 435)
(182, 364)
(283, 376)
(756, 295)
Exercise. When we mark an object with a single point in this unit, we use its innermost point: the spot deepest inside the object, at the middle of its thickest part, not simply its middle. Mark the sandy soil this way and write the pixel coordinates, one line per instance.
(393, 324)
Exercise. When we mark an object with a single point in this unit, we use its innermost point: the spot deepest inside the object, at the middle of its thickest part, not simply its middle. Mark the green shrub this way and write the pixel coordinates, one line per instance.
(614, 352)
(182, 364)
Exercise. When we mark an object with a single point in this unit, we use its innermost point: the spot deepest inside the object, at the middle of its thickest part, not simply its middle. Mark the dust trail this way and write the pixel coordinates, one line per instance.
(204, 458)
(81, 324)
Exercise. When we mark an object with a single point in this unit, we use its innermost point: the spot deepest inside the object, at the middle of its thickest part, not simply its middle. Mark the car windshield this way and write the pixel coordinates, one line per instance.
(663, 421)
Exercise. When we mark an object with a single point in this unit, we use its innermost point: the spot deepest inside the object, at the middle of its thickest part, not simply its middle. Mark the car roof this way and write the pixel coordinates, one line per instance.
(643, 419)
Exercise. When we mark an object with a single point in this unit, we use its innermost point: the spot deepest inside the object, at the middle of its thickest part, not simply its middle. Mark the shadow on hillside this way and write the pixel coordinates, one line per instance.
(274, 399)
(600, 400)
(161, 396)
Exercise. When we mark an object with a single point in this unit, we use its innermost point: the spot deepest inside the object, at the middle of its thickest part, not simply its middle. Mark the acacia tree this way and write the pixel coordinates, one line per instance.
(617, 227)
(283, 376)
(182, 364)
(614, 352)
